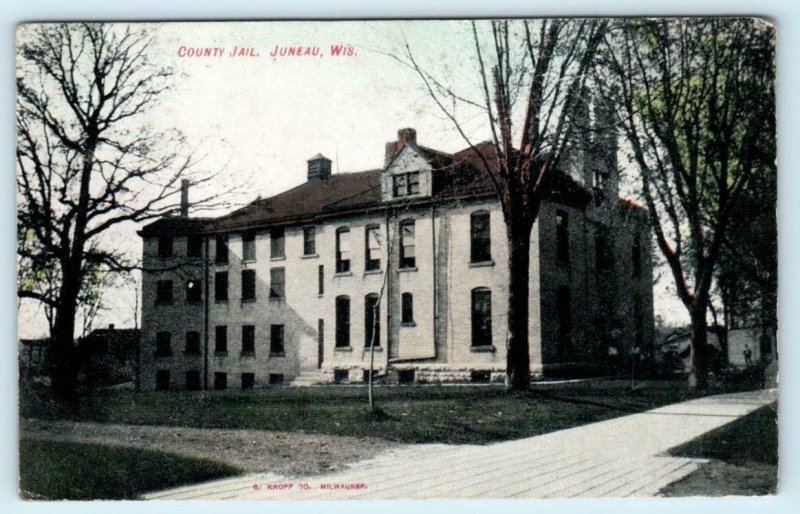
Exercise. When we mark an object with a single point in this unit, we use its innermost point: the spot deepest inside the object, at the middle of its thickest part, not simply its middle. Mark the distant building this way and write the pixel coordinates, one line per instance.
(284, 289)
(32, 355)
(110, 355)
(105, 356)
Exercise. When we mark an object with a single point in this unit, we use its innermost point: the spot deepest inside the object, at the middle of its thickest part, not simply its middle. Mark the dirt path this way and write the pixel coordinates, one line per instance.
(286, 453)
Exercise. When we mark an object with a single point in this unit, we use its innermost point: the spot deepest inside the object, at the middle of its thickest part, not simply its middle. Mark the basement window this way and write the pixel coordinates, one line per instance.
(406, 376)
(340, 376)
(480, 377)
(220, 381)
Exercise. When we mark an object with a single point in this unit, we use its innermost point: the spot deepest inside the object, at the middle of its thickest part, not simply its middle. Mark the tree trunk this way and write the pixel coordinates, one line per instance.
(61, 351)
(698, 353)
(518, 359)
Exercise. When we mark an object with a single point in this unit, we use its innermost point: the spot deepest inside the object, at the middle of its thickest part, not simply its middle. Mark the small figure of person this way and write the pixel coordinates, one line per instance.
(748, 356)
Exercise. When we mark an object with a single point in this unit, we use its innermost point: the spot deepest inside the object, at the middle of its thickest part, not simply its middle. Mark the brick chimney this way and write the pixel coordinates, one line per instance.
(319, 167)
(184, 198)
(405, 135)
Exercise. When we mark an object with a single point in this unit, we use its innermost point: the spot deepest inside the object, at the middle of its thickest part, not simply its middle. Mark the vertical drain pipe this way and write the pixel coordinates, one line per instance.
(206, 265)
(433, 268)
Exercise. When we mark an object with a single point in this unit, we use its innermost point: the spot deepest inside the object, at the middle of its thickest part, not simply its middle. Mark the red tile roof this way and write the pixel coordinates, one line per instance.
(459, 176)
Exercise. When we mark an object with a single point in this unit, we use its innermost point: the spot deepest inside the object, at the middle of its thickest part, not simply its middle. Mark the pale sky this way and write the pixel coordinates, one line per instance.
(258, 119)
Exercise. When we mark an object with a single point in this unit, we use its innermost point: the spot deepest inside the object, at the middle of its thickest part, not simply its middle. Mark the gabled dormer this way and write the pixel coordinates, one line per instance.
(408, 170)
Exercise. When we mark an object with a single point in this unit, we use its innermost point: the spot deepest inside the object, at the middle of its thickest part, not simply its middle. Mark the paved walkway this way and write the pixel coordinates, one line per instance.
(614, 458)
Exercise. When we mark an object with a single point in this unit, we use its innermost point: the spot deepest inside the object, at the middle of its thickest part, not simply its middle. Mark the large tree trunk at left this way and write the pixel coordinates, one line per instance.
(61, 352)
(518, 359)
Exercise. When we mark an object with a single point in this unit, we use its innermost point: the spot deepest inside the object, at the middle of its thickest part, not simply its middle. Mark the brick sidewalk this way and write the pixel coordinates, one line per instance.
(614, 458)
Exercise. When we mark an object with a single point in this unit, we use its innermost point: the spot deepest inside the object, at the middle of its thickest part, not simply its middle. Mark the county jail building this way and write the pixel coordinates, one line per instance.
(284, 290)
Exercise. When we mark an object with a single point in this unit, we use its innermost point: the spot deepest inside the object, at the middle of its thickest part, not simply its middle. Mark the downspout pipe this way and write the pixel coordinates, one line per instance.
(206, 265)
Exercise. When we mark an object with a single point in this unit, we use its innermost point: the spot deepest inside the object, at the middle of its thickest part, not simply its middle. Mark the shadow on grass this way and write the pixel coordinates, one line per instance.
(752, 438)
(72, 471)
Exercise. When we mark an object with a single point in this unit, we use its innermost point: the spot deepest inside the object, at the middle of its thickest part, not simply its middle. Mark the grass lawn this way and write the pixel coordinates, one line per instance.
(55, 471)
(745, 458)
(456, 414)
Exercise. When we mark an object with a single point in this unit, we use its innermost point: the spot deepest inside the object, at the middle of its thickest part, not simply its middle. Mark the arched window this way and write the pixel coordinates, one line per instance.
(407, 309)
(372, 320)
(564, 306)
(636, 255)
(342, 250)
(342, 321)
(562, 237)
(481, 317)
(480, 237)
(407, 246)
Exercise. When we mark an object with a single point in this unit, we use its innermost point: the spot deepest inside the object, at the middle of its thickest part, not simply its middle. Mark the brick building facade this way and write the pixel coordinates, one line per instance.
(284, 290)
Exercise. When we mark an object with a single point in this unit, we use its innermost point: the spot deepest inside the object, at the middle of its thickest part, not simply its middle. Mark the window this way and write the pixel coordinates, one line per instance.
(248, 285)
(562, 237)
(277, 243)
(162, 380)
(248, 340)
(248, 381)
(480, 377)
(193, 380)
(277, 283)
(163, 292)
(276, 340)
(400, 185)
(164, 246)
(372, 256)
(163, 344)
(194, 291)
(194, 246)
(564, 306)
(275, 378)
(341, 376)
(310, 241)
(221, 339)
(367, 374)
(405, 376)
(407, 309)
(221, 254)
(221, 286)
(249, 246)
(320, 342)
(407, 253)
(481, 317)
(321, 280)
(342, 322)
(406, 184)
(638, 332)
(343, 250)
(220, 381)
(636, 255)
(413, 183)
(604, 258)
(480, 237)
(599, 179)
(193, 343)
(372, 320)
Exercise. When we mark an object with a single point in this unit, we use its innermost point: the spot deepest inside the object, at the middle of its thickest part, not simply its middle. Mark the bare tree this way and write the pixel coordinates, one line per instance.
(533, 76)
(696, 101)
(87, 164)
